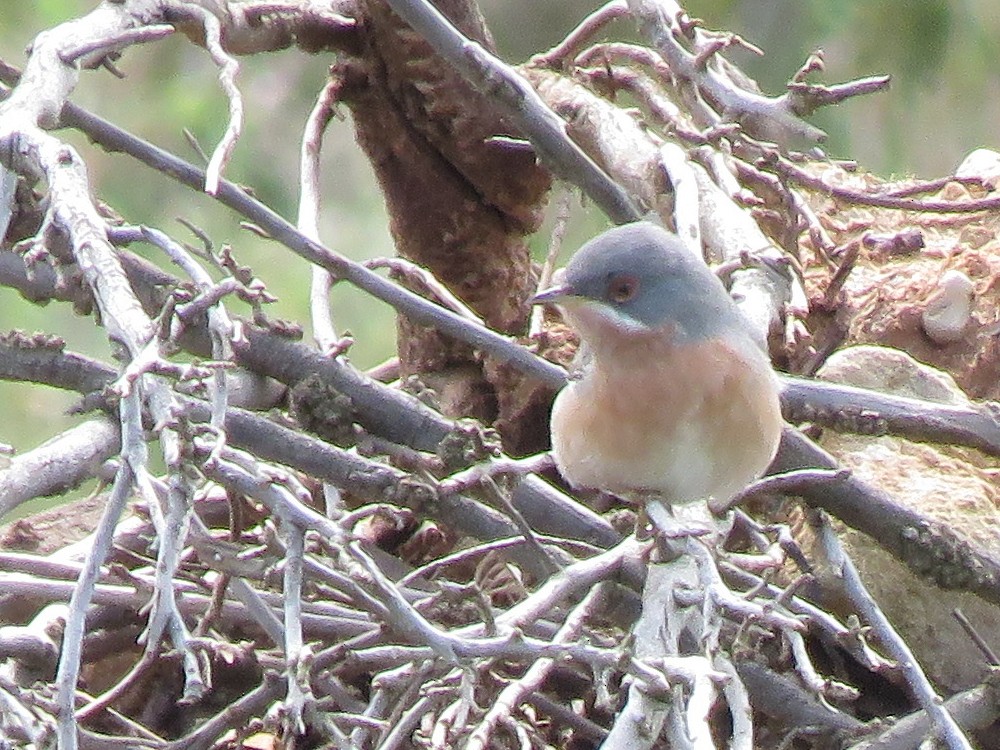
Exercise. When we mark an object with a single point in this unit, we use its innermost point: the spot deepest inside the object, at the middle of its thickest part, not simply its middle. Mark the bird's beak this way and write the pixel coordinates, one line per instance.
(560, 290)
(553, 294)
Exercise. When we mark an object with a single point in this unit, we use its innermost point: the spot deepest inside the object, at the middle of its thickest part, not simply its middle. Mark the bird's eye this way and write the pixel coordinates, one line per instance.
(622, 288)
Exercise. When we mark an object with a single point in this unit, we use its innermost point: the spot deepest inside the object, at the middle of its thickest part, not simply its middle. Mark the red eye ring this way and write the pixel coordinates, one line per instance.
(622, 288)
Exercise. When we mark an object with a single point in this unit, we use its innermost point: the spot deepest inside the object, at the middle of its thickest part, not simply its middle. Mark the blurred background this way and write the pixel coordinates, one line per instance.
(944, 101)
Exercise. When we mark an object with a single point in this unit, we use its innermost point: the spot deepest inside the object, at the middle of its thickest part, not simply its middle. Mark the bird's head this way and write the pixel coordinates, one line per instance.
(636, 279)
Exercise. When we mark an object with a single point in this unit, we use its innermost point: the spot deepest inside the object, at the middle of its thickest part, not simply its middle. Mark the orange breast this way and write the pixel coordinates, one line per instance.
(688, 423)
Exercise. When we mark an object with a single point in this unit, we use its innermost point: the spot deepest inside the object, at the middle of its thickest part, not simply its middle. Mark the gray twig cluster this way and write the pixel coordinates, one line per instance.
(325, 559)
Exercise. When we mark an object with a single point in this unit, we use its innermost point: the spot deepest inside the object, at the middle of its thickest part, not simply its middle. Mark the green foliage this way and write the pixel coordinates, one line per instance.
(906, 36)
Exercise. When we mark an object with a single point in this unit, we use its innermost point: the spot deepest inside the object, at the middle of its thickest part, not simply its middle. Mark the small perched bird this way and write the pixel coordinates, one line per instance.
(672, 397)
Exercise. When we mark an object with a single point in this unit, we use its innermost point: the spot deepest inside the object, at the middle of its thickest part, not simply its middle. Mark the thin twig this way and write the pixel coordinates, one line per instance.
(515, 693)
(69, 660)
(786, 483)
(298, 687)
(951, 734)
(309, 201)
(412, 305)
(797, 174)
(548, 266)
(534, 544)
(124, 38)
(521, 104)
(228, 70)
(423, 276)
(988, 653)
(561, 54)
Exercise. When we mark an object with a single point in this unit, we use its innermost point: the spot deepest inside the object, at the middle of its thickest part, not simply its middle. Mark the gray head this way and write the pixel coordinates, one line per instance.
(641, 277)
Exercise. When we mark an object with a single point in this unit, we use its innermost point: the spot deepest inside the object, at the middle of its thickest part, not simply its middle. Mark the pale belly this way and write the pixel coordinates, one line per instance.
(685, 433)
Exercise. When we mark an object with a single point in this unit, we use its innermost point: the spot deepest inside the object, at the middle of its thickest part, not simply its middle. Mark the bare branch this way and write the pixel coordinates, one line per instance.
(228, 68)
(111, 43)
(561, 55)
(521, 104)
(951, 733)
(58, 465)
(308, 219)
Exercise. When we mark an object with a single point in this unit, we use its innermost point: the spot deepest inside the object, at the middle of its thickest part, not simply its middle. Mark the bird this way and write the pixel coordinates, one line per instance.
(670, 396)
